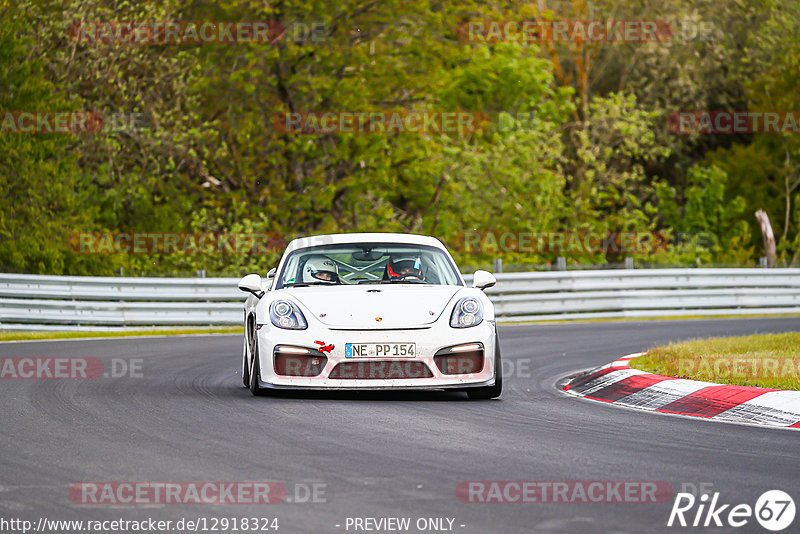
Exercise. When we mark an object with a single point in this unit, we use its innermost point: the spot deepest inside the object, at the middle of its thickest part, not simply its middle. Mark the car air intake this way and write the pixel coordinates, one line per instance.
(298, 361)
(460, 359)
(380, 370)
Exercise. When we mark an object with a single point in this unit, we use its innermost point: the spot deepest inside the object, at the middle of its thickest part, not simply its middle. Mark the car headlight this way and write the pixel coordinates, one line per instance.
(286, 314)
(468, 312)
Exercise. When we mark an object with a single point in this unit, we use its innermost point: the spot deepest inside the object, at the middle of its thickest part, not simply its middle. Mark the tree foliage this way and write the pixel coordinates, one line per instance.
(573, 136)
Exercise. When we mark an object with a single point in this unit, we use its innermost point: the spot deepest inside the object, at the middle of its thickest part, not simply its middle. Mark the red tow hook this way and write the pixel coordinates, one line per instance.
(323, 347)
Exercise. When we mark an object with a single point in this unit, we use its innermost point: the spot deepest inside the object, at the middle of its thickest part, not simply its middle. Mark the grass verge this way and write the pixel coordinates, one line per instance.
(26, 335)
(763, 360)
(655, 318)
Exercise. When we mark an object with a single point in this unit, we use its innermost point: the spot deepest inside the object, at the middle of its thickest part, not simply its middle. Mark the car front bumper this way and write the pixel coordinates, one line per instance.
(429, 341)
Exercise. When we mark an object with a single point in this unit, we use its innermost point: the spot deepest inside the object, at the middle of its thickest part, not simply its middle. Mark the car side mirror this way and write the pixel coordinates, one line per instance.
(483, 279)
(269, 281)
(252, 284)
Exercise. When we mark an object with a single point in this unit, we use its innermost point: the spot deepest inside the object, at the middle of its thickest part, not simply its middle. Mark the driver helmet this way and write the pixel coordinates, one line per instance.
(320, 268)
(409, 267)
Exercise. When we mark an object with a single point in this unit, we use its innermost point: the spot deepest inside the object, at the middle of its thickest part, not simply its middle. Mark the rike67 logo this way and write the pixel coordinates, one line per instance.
(774, 510)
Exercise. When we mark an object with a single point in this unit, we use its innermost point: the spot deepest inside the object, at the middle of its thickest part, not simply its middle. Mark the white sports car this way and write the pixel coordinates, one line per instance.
(370, 311)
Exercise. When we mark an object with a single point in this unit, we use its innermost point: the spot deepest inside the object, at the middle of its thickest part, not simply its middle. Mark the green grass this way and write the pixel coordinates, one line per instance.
(764, 360)
(24, 336)
(659, 318)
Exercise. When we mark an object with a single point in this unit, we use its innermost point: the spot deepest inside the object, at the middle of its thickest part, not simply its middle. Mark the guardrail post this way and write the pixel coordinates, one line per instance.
(561, 264)
(498, 265)
(628, 262)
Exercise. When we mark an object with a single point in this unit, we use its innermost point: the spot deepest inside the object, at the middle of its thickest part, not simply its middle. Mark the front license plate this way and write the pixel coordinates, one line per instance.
(377, 350)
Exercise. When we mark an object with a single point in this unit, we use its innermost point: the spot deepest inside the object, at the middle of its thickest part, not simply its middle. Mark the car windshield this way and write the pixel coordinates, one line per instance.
(367, 263)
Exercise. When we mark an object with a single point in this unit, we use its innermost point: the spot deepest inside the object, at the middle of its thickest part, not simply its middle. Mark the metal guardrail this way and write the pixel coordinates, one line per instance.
(93, 303)
(645, 293)
(109, 303)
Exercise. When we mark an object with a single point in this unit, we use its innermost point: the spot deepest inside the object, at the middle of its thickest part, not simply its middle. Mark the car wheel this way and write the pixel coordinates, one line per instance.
(491, 392)
(245, 367)
(254, 375)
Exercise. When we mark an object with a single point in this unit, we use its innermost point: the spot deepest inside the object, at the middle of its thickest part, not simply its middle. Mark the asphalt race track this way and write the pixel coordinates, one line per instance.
(187, 418)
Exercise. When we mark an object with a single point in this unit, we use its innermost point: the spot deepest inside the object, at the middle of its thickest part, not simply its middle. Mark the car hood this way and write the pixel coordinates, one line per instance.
(378, 306)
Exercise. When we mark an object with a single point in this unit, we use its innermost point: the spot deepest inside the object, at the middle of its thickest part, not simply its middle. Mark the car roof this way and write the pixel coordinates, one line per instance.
(336, 239)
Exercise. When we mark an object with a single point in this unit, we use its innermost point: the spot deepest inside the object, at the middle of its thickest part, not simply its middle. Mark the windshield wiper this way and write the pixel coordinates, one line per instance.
(392, 281)
(306, 284)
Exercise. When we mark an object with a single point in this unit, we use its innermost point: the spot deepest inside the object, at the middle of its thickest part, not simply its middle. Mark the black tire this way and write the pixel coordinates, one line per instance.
(490, 392)
(245, 367)
(254, 374)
